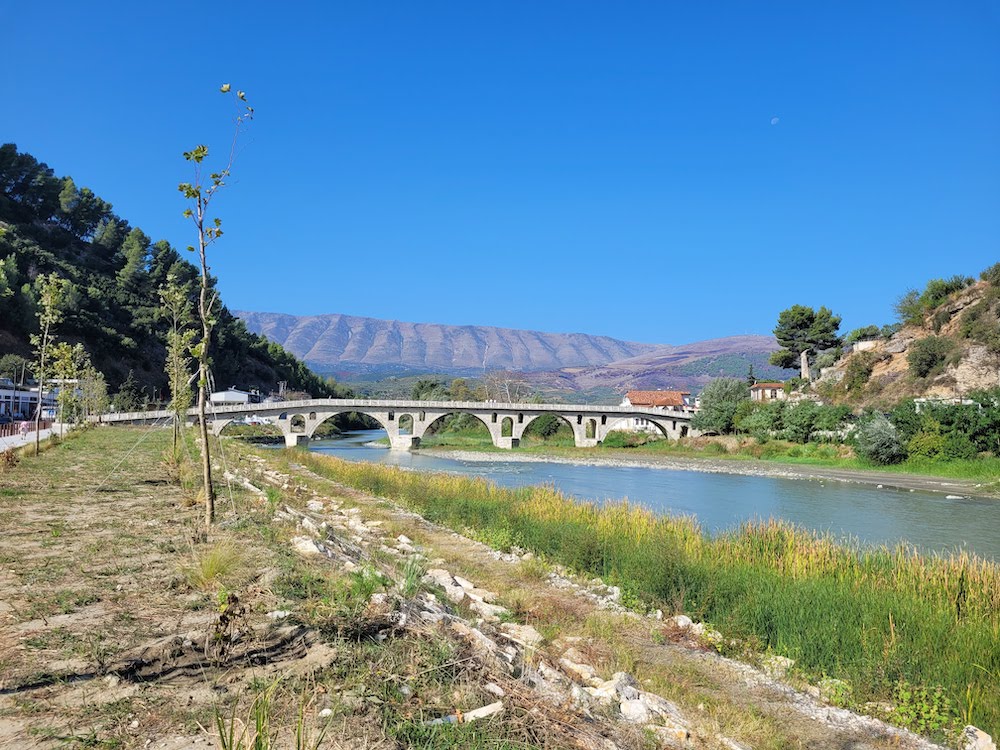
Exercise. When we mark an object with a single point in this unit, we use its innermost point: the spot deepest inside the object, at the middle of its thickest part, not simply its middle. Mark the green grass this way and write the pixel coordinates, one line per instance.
(874, 617)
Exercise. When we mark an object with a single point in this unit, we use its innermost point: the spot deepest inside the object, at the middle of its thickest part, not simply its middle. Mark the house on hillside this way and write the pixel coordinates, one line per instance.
(663, 400)
(768, 392)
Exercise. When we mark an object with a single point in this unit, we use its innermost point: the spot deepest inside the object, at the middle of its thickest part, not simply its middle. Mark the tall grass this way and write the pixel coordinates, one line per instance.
(873, 616)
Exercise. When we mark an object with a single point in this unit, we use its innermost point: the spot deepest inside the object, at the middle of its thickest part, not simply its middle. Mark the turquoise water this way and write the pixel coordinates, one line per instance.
(723, 501)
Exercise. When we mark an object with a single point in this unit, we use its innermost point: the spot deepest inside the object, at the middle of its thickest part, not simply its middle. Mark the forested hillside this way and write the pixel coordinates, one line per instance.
(49, 224)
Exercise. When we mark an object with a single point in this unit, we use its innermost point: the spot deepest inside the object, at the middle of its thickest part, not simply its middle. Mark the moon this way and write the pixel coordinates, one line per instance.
(775, 120)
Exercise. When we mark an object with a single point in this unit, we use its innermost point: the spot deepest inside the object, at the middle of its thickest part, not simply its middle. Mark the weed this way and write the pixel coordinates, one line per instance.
(210, 567)
(273, 495)
(534, 568)
(924, 710)
(411, 580)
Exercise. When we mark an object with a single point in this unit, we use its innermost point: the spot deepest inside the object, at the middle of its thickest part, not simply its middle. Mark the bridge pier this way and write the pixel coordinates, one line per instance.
(294, 439)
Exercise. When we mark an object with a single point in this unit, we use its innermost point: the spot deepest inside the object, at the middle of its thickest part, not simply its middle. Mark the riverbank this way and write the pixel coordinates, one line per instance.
(888, 622)
(740, 466)
(305, 607)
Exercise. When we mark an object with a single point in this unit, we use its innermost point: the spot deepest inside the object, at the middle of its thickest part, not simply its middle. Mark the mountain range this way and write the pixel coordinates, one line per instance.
(558, 364)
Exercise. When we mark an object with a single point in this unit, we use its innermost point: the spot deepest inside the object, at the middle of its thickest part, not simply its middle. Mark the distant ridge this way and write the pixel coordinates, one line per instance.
(331, 343)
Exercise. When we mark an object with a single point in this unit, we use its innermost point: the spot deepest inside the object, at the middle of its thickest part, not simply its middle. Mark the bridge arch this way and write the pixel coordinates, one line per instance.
(324, 417)
(433, 427)
(627, 424)
(531, 424)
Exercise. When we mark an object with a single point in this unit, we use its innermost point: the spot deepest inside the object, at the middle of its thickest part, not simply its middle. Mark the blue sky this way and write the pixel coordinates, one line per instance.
(655, 171)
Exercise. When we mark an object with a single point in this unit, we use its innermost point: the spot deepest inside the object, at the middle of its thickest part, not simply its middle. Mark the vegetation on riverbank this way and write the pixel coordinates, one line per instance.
(891, 622)
(635, 446)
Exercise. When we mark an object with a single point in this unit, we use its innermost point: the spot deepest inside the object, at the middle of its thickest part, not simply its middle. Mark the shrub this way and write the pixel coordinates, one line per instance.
(959, 445)
(830, 418)
(878, 442)
(859, 370)
(908, 308)
(940, 319)
(991, 275)
(863, 334)
(938, 290)
(800, 421)
(925, 443)
(927, 355)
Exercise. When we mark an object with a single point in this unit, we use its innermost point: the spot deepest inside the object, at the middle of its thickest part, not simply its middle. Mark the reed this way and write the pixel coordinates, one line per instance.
(875, 616)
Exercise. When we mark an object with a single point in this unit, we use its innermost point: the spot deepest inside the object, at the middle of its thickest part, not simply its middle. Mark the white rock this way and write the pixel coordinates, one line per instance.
(635, 711)
(583, 672)
(975, 739)
(776, 666)
(525, 635)
(406, 549)
(663, 708)
(489, 612)
(670, 733)
(475, 636)
(305, 546)
(625, 686)
(403, 539)
(278, 614)
(551, 675)
(326, 712)
(308, 525)
(479, 595)
(493, 689)
(315, 505)
(681, 622)
(464, 582)
(604, 693)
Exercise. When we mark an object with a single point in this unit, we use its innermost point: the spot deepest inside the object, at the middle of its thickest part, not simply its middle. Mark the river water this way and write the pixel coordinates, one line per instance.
(721, 502)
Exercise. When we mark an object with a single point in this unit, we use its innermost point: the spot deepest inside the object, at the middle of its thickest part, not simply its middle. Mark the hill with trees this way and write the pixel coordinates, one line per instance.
(114, 274)
(944, 344)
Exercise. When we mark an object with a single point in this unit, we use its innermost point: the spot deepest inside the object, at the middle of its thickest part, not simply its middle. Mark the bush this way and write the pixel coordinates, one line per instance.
(958, 445)
(927, 355)
(859, 370)
(878, 442)
(764, 420)
(863, 334)
(925, 443)
(991, 275)
(800, 421)
(938, 290)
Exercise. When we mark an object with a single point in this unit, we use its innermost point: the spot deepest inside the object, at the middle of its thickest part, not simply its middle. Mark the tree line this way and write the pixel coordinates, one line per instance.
(110, 302)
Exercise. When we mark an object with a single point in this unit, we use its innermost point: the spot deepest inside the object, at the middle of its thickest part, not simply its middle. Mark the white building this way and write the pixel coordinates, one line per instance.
(663, 400)
(19, 403)
(234, 396)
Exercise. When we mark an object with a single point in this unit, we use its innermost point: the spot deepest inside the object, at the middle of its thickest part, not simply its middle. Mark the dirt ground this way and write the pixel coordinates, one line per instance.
(123, 624)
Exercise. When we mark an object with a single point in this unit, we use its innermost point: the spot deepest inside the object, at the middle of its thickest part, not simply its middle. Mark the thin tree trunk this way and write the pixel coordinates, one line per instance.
(41, 385)
(206, 461)
(203, 359)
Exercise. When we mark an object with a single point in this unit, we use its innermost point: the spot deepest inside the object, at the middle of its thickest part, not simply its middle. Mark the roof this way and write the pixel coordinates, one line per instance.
(767, 385)
(656, 398)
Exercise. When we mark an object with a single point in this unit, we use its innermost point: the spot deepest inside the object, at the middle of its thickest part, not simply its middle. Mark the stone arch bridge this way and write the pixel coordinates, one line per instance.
(406, 422)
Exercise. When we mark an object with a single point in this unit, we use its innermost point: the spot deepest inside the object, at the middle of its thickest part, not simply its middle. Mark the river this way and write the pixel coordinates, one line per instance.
(721, 502)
